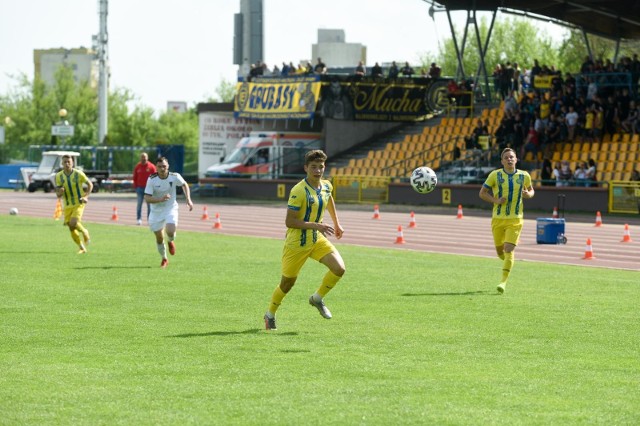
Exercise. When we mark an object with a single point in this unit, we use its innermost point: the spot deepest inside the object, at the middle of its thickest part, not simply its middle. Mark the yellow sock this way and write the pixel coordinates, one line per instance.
(276, 299)
(506, 266)
(328, 282)
(75, 236)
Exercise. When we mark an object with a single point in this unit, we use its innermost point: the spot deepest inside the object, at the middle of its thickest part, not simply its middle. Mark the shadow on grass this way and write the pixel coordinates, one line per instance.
(463, 293)
(115, 267)
(230, 333)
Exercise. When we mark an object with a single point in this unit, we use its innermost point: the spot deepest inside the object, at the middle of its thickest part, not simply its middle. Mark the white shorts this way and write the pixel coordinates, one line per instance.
(157, 220)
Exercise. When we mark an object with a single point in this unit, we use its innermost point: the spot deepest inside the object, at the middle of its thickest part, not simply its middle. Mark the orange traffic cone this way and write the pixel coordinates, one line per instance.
(57, 214)
(459, 212)
(114, 215)
(400, 237)
(588, 253)
(217, 224)
(205, 213)
(627, 235)
(555, 213)
(376, 212)
(598, 219)
(412, 221)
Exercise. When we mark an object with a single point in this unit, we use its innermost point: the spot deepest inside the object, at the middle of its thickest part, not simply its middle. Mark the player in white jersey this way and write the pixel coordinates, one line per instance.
(160, 193)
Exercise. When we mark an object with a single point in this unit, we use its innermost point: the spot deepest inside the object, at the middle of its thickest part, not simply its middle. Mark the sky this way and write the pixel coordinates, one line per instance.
(180, 50)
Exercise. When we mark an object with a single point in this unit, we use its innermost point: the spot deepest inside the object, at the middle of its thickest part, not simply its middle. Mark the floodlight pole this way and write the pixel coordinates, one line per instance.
(103, 81)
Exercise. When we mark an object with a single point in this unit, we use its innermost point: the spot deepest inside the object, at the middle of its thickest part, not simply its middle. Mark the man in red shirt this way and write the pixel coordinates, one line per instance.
(141, 173)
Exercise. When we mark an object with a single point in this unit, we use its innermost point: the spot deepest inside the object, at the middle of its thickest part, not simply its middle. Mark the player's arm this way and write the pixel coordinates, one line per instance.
(187, 194)
(331, 207)
(528, 192)
(88, 190)
(488, 196)
(293, 221)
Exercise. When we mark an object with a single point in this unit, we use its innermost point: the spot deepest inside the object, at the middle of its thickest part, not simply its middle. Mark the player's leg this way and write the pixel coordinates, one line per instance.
(170, 229)
(77, 215)
(140, 199)
(512, 236)
(75, 235)
(326, 254)
(497, 229)
(156, 225)
(292, 261)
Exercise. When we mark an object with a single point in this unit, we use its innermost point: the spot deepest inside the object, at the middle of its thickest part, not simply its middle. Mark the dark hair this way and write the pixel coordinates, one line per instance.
(161, 159)
(315, 155)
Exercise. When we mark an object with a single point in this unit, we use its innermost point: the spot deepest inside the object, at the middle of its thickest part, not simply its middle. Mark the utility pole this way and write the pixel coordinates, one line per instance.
(101, 45)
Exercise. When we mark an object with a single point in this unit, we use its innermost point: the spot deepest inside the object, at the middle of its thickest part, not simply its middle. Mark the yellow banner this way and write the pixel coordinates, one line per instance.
(542, 81)
(281, 98)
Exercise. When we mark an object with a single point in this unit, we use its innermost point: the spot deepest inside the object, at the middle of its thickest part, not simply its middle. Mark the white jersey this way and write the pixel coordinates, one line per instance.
(158, 188)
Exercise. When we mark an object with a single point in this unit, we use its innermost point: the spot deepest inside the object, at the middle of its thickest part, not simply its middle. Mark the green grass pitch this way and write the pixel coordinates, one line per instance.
(109, 338)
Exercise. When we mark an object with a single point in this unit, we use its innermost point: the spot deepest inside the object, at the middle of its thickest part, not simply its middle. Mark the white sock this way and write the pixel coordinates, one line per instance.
(162, 250)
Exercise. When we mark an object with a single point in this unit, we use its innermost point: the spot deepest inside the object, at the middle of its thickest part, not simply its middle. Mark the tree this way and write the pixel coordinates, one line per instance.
(225, 92)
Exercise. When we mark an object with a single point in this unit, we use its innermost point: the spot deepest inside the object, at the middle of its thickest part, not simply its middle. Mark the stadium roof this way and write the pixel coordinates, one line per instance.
(615, 19)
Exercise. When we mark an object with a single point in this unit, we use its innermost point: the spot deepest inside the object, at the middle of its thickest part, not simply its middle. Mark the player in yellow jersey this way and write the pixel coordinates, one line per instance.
(73, 187)
(506, 188)
(307, 237)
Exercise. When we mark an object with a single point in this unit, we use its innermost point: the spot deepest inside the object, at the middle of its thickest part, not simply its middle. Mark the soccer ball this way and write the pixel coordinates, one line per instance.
(13, 211)
(423, 180)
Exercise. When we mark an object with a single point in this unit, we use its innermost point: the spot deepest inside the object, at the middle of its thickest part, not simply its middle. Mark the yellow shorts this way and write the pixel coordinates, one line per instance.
(293, 256)
(73, 211)
(506, 231)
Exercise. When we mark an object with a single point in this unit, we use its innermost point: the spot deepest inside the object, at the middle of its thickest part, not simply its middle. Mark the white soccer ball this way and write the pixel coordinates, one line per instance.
(13, 211)
(423, 180)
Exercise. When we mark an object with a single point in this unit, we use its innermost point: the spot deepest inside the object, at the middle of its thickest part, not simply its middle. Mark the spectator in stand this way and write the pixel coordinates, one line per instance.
(407, 71)
(497, 75)
(589, 119)
(434, 71)
(452, 91)
(320, 67)
(376, 71)
(572, 122)
(393, 70)
(629, 123)
(565, 173)
(506, 78)
(141, 174)
(551, 135)
(471, 141)
(511, 104)
(592, 173)
(635, 176)
(580, 175)
(531, 143)
(535, 70)
(360, 70)
(515, 81)
(546, 173)
(598, 122)
(286, 70)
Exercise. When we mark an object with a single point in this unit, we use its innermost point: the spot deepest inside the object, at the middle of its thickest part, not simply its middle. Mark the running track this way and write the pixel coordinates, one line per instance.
(439, 232)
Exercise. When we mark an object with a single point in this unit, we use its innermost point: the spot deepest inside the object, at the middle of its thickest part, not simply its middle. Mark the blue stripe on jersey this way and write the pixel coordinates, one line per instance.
(500, 179)
(520, 182)
(510, 194)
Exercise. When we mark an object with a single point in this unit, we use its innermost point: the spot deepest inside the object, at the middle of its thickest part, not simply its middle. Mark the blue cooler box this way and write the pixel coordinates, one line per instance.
(547, 230)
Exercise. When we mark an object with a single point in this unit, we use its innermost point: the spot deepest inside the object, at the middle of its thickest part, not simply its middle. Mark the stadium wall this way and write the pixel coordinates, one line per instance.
(589, 200)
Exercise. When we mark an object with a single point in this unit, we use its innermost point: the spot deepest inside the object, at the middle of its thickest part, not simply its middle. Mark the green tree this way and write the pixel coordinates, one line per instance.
(225, 92)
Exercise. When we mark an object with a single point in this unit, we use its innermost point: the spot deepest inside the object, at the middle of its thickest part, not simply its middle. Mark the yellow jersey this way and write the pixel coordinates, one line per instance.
(503, 184)
(310, 204)
(72, 185)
